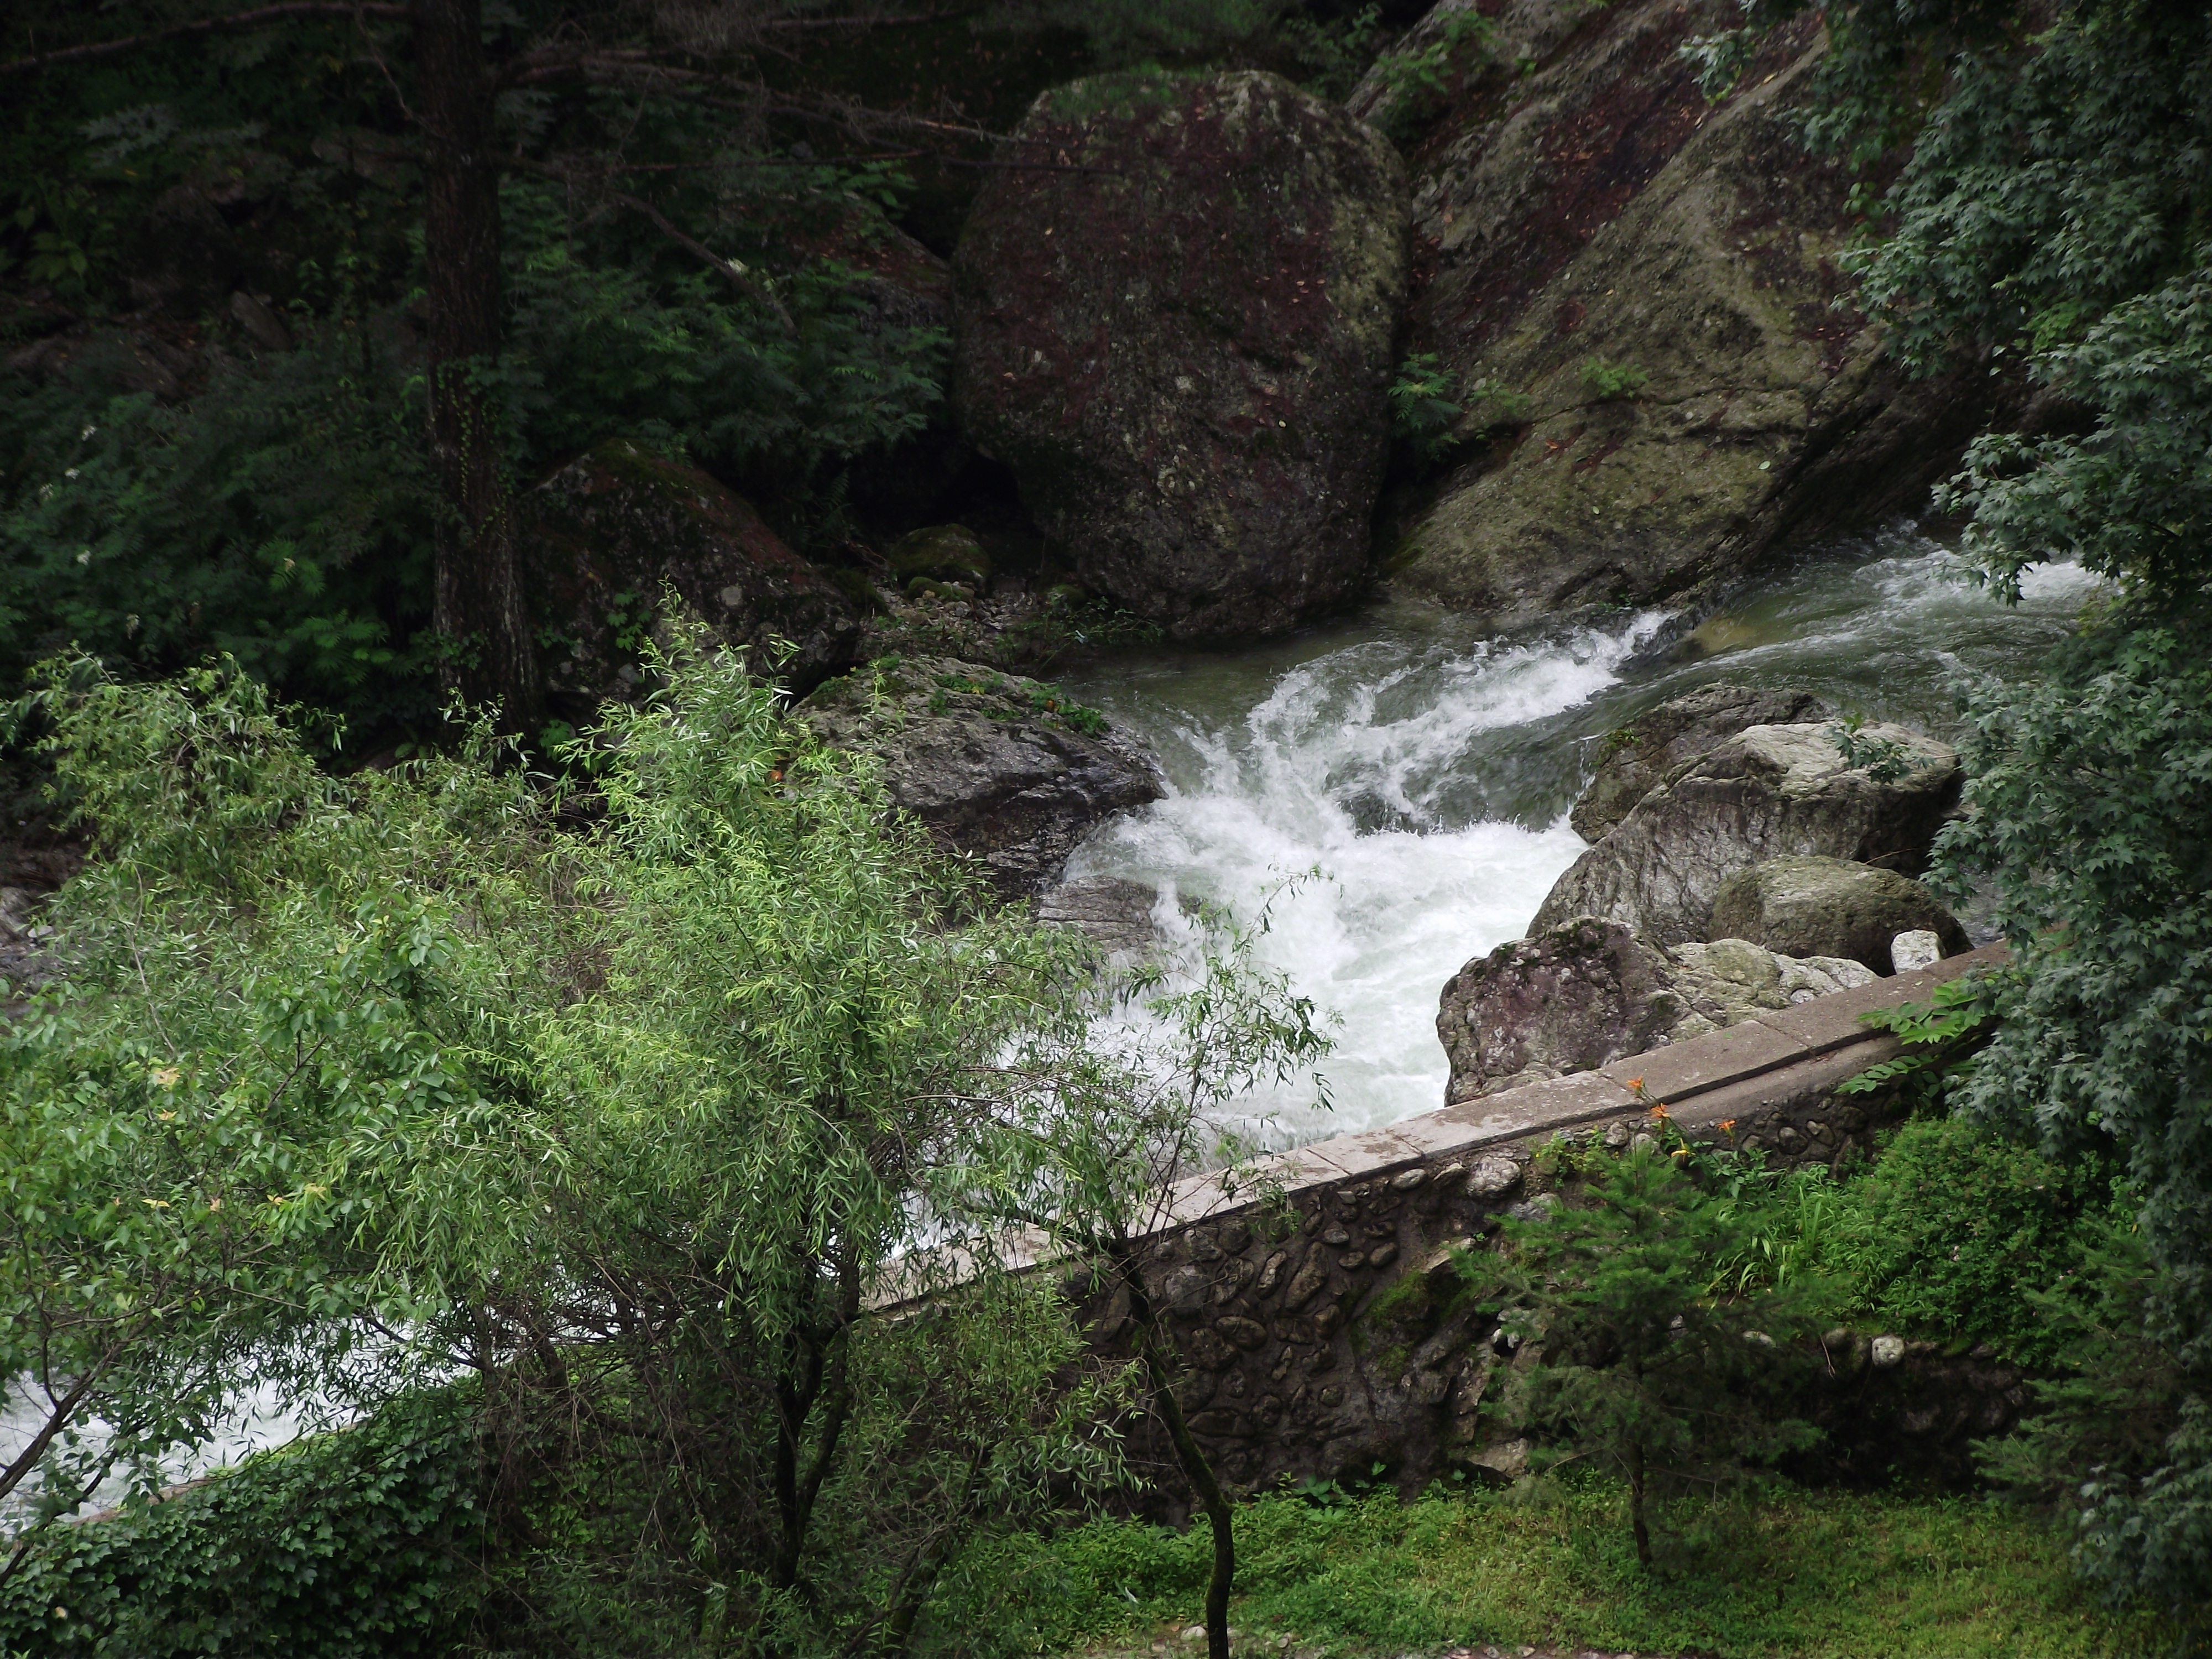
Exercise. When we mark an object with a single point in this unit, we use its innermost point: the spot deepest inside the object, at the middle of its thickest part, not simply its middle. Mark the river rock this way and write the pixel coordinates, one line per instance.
(1770, 791)
(1590, 992)
(999, 768)
(1830, 907)
(607, 532)
(1116, 914)
(1640, 293)
(1176, 328)
(1634, 757)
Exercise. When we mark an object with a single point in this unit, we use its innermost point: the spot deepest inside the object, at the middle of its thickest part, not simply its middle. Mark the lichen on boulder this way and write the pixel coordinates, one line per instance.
(1174, 323)
(1643, 290)
(1635, 759)
(1768, 792)
(1808, 906)
(1590, 992)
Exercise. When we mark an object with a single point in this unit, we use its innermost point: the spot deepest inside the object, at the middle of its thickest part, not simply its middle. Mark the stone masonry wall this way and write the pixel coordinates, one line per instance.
(1320, 1320)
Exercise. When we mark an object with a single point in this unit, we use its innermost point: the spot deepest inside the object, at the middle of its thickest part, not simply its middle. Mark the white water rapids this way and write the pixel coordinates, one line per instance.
(1425, 771)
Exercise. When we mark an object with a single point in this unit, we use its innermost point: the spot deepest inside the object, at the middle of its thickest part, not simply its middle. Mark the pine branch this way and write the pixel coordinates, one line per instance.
(237, 20)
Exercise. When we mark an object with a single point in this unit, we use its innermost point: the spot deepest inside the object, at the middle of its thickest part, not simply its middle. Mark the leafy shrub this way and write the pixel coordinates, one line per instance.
(343, 1545)
(1612, 382)
(1424, 406)
(1955, 1231)
(1417, 82)
(282, 517)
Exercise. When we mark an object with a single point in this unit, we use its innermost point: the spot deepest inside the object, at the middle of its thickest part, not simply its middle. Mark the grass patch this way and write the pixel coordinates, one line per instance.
(1808, 1575)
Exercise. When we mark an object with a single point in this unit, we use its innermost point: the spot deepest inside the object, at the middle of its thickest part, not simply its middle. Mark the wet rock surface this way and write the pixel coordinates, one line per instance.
(1001, 768)
(1634, 759)
(605, 533)
(1643, 289)
(1830, 907)
(1116, 914)
(1769, 792)
(1578, 997)
(1177, 330)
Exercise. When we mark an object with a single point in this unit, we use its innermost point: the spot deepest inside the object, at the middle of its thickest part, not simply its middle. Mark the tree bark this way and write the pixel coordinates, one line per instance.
(1196, 1468)
(478, 606)
(1636, 1504)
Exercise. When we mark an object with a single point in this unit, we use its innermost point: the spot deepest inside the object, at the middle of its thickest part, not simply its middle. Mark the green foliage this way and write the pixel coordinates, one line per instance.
(631, 1095)
(1940, 1038)
(282, 517)
(346, 1546)
(1612, 382)
(1959, 1234)
(1417, 82)
(1828, 1575)
(1884, 759)
(1425, 407)
(1644, 1364)
(602, 345)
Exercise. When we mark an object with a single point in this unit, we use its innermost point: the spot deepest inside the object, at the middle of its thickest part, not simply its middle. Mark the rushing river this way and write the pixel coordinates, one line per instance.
(1426, 770)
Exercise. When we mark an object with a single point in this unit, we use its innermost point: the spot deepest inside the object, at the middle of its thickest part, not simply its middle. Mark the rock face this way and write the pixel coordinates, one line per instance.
(999, 768)
(1179, 336)
(1766, 793)
(1588, 992)
(603, 534)
(1829, 907)
(1646, 281)
(1634, 758)
(1116, 914)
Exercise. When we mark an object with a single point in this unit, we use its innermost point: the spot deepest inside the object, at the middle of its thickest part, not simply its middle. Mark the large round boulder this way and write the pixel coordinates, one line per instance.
(1831, 908)
(1766, 793)
(604, 534)
(998, 767)
(1588, 992)
(1174, 320)
(1633, 758)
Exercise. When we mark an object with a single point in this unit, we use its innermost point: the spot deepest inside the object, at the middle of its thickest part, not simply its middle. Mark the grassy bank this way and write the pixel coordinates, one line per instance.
(1807, 1575)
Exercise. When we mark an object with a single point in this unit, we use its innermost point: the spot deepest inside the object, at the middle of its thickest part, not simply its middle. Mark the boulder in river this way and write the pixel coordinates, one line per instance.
(1175, 322)
(999, 768)
(1635, 757)
(1639, 292)
(1806, 906)
(605, 533)
(1590, 992)
(1770, 791)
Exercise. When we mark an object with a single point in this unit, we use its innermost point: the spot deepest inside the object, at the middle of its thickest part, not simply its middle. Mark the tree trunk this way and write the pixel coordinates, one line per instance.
(1636, 1503)
(478, 606)
(1196, 1468)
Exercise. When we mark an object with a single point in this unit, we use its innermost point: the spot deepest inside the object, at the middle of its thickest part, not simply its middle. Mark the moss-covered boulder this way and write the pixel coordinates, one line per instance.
(999, 768)
(1588, 992)
(1174, 321)
(1809, 906)
(603, 535)
(1768, 792)
(940, 552)
(1643, 290)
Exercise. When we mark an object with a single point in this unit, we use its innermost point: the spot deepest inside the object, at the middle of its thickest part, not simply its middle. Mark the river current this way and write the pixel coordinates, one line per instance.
(1423, 769)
